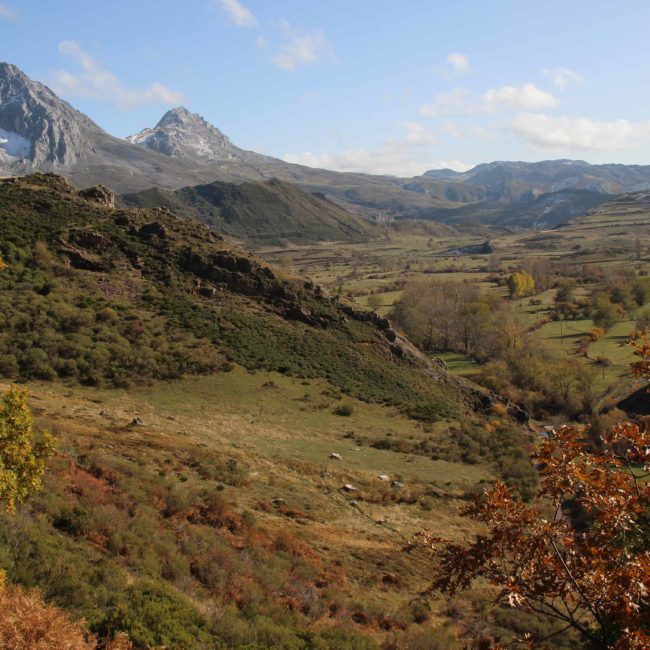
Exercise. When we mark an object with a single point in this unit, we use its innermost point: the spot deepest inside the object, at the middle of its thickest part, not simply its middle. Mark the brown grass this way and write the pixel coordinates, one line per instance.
(27, 622)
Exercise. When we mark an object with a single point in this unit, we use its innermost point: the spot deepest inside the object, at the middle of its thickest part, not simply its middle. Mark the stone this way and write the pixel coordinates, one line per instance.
(137, 422)
(208, 292)
(335, 456)
(153, 229)
(99, 194)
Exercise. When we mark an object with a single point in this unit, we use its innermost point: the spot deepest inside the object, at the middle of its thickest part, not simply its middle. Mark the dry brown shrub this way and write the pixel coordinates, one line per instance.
(121, 642)
(27, 622)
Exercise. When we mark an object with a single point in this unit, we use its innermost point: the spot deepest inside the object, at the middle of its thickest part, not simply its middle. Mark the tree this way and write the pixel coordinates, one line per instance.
(580, 553)
(520, 284)
(603, 363)
(23, 453)
(431, 312)
(605, 313)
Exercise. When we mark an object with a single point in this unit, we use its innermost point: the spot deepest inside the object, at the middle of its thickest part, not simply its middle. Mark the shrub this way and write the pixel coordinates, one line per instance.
(346, 409)
(27, 622)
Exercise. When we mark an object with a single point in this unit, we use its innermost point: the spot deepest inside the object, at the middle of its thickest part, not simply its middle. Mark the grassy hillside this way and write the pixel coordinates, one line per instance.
(197, 397)
(111, 296)
(259, 212)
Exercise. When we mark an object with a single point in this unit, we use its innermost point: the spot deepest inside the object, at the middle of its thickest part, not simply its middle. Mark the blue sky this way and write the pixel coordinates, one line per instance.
(374, 86)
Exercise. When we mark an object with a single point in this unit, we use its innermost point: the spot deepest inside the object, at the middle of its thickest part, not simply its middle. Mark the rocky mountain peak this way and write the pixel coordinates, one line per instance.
(181, 133)
(36, 126)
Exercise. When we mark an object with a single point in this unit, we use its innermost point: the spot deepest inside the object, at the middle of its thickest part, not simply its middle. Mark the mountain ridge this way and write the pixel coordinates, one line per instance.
(259, 212)
(41, 132)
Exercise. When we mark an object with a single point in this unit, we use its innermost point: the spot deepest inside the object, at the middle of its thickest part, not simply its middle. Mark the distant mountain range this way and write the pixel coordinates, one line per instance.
(41, 132)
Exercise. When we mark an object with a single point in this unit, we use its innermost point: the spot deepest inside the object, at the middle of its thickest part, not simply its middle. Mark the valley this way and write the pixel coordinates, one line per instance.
(394, 398)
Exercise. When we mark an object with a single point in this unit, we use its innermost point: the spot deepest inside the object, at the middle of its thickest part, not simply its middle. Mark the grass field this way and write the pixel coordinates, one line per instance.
(381, 268)
(262, 439)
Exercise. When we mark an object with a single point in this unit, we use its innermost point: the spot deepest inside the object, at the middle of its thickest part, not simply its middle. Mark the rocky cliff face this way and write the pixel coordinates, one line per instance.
(181, 133)
(37, 127)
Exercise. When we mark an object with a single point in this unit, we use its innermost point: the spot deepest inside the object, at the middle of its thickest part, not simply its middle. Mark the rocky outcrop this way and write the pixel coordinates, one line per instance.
(99, 194)
(153, 230)
(89, 239)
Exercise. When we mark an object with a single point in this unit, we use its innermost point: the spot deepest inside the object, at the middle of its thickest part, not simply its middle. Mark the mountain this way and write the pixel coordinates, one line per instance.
(41, 132)
(259, 212)
(181, 133)
(550, 176)
(541, 211)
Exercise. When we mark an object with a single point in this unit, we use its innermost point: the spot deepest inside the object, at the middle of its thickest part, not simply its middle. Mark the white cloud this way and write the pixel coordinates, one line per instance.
(459, 62)
(94, 81)
(301, 48)
(239, 14)
(562, 77)
(461, 101)
(8, 13)
(406, 156)
(579, 133)
(527, 97)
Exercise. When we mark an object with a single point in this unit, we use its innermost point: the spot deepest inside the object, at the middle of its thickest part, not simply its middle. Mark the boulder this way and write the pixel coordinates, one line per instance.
(90, 239)
(99, 194)
(153, 229)
(335, 456)
(208, 292)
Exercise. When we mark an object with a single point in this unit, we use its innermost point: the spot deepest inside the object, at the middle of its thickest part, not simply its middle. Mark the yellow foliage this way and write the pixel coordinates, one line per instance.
(23, 454)
(500, 409)
(521, 284)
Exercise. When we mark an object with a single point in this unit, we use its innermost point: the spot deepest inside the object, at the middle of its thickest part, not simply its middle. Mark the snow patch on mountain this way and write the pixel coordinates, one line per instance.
(14, 145)
(180, 133)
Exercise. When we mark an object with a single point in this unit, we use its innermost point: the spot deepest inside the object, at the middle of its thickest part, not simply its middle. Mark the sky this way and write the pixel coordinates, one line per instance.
(375, 86)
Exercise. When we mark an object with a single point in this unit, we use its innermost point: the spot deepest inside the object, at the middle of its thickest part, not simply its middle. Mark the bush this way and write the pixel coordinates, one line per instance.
(346, 409)
(155, 616)
(28, 623)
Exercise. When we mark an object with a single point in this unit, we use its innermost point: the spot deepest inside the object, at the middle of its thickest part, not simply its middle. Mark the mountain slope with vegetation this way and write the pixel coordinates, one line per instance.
(108, 296)
(261, 213)
(255, 485)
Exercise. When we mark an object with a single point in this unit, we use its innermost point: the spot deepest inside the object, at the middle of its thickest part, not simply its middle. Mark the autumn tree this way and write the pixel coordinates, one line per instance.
(432, 312)
(580, 552)
(520, 284)
(23, 453)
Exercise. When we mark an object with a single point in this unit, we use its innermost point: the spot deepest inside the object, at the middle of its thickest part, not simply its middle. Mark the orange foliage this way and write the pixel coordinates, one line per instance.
(596, 579)
(580, 553)
(27, 622)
